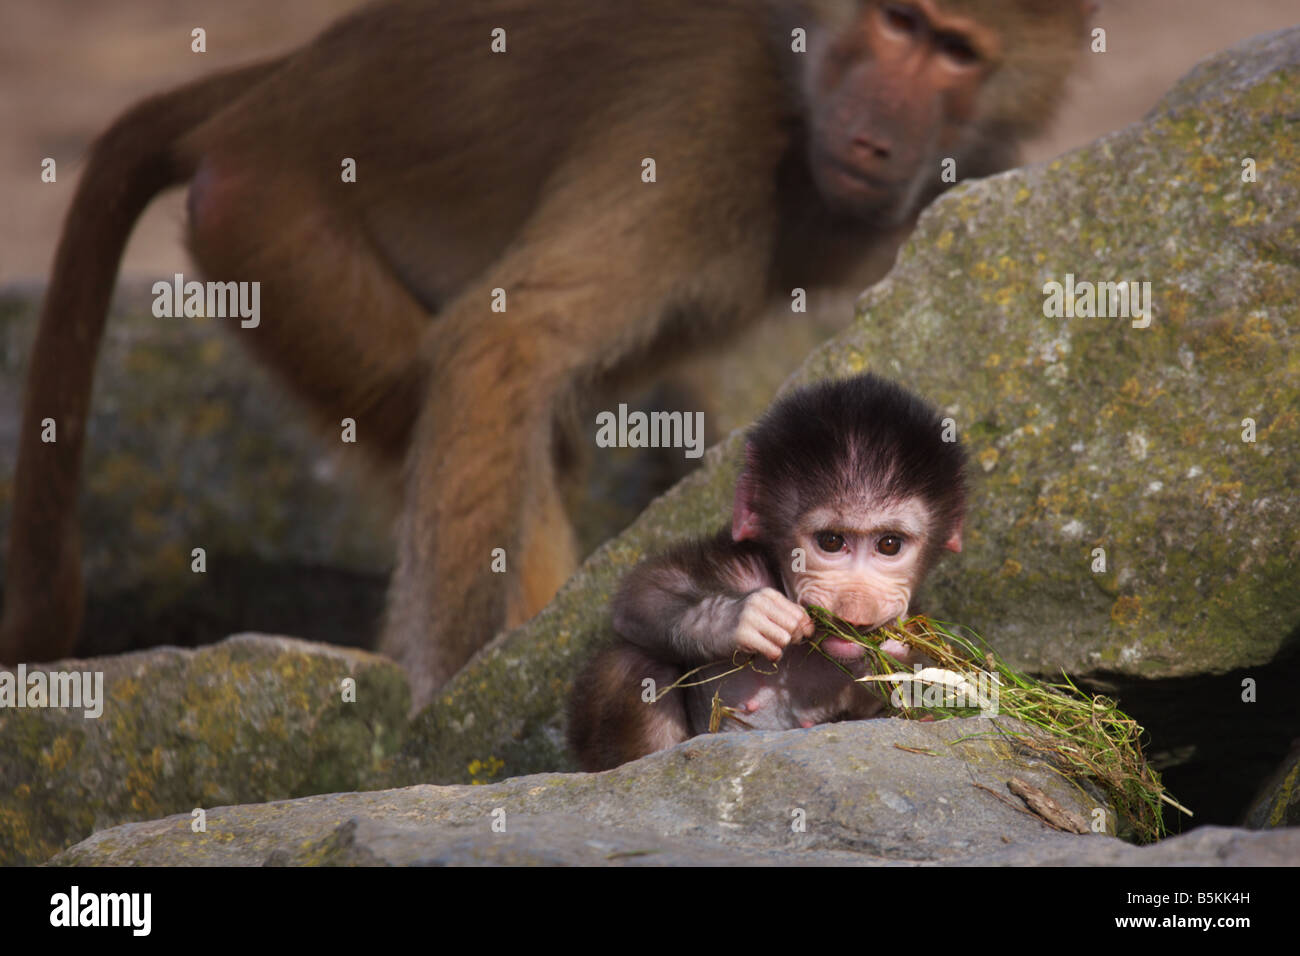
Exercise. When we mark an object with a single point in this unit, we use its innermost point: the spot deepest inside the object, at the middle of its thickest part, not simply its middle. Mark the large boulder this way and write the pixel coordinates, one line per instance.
(838, 793)
(253, 718)
(1278, 801)
(834, 795)
(190, 445)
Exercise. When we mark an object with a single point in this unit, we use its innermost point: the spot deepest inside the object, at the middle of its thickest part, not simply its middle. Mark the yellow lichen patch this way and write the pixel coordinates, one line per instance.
(1134, 392)
(16, 834)
(1248, 215)
(856, 362)
(59, 753)
(125, 689)
(988, 459)
(1284, 420)
(1283, 799)
(1209, 164)
(1175, 310)
(1126, 611)
(142, 779)
(482, 771)
(1227, 489)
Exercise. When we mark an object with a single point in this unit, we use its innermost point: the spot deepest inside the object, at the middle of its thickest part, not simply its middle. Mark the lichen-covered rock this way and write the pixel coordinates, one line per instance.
(1090, 439)
(1278, 803)
(190, 445)
(252, 718)
(834, 794)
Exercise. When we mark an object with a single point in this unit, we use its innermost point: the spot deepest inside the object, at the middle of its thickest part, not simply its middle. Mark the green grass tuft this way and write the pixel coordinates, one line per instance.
(1082, 735)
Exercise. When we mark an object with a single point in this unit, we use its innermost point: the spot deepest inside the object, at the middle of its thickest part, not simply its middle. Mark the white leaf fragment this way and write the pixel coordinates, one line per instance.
(935, 675)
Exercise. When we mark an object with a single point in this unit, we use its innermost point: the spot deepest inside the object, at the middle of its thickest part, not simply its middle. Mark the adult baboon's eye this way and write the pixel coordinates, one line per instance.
(956, 48)
(902, 18)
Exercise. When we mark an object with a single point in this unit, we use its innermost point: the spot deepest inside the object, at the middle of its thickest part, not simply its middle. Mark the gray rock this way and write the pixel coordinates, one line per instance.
(837, 793)
(250, 719)
(727, 799)
(191, 445)
(1278, 802)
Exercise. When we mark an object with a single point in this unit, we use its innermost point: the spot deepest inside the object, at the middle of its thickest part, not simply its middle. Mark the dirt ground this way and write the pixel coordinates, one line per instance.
(67, 67)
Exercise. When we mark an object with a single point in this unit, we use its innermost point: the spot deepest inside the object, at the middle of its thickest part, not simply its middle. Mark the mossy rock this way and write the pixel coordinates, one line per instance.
(250, 719)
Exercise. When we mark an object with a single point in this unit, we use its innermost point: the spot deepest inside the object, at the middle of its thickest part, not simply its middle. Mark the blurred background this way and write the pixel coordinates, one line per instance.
(67, 67)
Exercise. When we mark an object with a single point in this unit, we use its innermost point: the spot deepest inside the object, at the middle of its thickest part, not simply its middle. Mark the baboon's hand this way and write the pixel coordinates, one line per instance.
(767, 622)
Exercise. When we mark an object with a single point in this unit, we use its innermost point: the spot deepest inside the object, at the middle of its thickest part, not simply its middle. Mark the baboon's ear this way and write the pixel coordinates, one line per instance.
(954, 540)
(745, 524)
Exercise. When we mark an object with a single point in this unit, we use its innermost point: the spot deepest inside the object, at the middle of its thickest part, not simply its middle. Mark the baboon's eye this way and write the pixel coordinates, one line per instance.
(830, 541)
(890, 544)
(902, 18)
(956, 48)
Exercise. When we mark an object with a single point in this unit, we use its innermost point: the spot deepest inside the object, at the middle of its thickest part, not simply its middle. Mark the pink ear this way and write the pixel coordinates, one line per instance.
(744, 516)
(954, 540)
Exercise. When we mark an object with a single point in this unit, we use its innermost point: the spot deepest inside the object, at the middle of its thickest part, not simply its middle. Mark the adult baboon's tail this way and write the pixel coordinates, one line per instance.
(134, 160)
